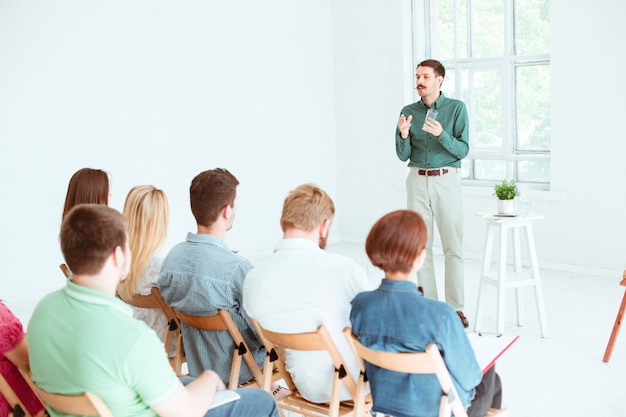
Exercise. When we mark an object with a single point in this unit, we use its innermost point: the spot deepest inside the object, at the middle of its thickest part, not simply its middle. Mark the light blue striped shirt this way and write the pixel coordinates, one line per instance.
(198, 277)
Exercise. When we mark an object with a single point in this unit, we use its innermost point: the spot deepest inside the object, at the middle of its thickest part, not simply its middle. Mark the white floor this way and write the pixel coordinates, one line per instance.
(561, 375)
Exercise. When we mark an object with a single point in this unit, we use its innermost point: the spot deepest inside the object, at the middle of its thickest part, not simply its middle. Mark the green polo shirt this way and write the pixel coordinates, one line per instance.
(424, 150)
(80, 340)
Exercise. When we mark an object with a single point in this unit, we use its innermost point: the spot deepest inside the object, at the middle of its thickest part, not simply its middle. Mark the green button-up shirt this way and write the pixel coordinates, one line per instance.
(428, 151)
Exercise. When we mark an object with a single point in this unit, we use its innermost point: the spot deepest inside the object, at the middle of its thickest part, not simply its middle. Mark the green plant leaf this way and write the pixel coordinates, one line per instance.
(506, 190)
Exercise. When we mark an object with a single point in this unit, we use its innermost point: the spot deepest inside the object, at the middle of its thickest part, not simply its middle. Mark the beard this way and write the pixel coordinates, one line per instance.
(322, 242)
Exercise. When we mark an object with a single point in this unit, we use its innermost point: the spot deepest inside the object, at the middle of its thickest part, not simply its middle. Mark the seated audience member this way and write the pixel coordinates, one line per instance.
(83, 338)
(302, 286)
(201, 275)
(397, 318)
(13, 353)
(147, 212)
(87, 186)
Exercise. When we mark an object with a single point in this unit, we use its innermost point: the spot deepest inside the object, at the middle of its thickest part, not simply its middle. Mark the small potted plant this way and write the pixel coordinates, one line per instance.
(506, 192)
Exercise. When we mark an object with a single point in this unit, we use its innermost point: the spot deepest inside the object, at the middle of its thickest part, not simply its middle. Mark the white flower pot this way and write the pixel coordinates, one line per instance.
(506, 207)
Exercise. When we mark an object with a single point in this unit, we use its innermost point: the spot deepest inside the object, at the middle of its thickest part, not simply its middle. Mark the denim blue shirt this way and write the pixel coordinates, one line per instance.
(198, 277)
(397, 318)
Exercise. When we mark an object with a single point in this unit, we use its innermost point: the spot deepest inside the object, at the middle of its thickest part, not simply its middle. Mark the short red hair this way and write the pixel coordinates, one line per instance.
(396, 240)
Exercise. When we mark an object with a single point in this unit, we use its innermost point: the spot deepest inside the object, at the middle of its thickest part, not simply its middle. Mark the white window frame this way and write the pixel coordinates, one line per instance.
(508, 153)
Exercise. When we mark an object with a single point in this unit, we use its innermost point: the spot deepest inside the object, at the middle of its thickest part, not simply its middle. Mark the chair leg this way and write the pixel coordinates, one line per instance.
(616, 327)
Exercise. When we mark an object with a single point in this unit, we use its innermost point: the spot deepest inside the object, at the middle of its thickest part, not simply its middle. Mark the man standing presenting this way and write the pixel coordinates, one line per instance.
(434, 149)
(302, 286)
(201, 275)
(82, 338)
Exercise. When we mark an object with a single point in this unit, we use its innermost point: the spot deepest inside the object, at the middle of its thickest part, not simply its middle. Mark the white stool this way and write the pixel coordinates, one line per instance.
(501, 226)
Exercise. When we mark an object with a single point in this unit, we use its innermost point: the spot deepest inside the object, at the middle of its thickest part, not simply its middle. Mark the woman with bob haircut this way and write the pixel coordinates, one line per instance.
(147, 211)
(396, 317)
(87, 186)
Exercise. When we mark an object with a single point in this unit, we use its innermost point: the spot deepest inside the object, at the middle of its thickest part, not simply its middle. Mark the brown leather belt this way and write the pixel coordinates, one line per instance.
(433, 172)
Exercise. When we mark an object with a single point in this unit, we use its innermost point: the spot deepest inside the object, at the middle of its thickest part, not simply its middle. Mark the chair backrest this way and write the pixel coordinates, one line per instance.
(427, 362)
(224, 321)
(85, 404)
(173, 336)
(318, 340)
(17, 407)
(142, 301)
(66, 271)
(172, 332)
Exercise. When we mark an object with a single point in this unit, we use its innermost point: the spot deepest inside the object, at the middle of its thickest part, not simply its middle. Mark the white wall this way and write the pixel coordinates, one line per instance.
(155, 92)
(280, 92)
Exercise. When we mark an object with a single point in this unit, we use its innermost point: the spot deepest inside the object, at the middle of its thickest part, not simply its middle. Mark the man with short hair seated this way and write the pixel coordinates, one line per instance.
(302, 286)
(82, 338)
(201, 275)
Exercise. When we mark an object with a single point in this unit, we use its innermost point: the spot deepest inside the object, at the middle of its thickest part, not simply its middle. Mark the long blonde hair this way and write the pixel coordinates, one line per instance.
(147, 212)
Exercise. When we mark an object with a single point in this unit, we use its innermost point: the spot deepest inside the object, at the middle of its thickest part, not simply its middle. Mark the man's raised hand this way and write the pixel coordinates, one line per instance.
(404, 123)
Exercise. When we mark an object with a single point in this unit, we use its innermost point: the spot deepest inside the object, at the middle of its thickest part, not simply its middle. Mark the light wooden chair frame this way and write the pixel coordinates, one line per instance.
(172, 332)
(427, 362)
(617, 325)
(66, 271)
(224, 321)
(17, 406)
(85, 404)
(319, 340)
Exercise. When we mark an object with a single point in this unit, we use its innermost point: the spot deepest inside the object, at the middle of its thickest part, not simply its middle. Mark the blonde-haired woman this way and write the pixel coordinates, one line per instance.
(147, 212)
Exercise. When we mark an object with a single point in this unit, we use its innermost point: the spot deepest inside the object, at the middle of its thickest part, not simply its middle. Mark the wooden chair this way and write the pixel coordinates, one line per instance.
(428, 362)
(224, 321)
(319, 340)
(17, 407)
(172, 332)
(85, 404)
(66, 271)
(618, 324)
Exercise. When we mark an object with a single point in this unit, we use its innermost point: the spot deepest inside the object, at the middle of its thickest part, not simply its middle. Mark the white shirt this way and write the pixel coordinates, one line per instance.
(300, 287)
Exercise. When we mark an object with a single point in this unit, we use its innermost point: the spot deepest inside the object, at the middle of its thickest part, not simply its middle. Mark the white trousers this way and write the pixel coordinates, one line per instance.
(439, 200)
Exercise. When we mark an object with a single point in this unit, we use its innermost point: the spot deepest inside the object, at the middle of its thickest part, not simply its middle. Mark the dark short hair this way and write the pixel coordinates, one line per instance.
(210, 192)
(89, 235)
(306, 207)
(395, 240)
(87, 186)
(437, 67)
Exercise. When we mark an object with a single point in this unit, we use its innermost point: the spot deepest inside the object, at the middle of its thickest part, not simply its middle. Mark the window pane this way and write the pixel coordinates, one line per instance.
(533, 171)
(532, 27)
(533, 108)
(483, 94)
(443, 31)
(487, 28)
(489, 169)
(465, 168)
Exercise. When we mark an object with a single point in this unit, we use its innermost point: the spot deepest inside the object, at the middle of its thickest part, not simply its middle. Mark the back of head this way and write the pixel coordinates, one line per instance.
(306, 207)
(210, 192)
(395, 241)
(147, 211)
(87, 186)
(89, 234)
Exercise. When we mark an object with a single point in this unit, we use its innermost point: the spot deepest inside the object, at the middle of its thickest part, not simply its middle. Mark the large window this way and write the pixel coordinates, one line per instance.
(497, 59)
